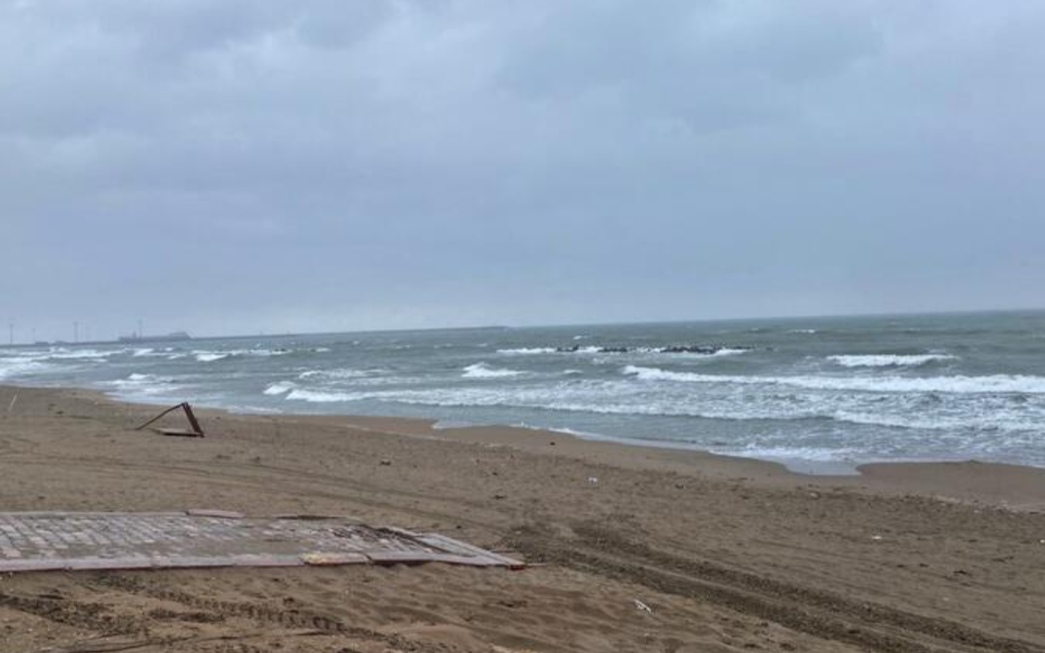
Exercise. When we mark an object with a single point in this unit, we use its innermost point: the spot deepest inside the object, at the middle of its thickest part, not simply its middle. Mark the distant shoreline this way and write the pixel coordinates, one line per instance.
(578, 325)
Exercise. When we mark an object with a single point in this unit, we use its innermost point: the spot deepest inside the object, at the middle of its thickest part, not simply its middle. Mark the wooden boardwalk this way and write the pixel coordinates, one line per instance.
(50, 541)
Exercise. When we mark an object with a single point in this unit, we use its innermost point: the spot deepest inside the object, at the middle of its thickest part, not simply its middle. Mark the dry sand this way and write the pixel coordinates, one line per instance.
(727, 554)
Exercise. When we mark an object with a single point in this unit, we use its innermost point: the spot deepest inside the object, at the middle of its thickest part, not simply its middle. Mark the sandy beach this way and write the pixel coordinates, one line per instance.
(631, 549)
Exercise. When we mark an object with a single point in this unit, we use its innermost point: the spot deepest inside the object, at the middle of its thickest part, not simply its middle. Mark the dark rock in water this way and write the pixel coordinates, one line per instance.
(568, 350)
(613, 350)
(691, 349)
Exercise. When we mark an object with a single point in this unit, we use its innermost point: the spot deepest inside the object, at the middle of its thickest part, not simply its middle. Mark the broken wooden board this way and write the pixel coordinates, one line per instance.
(52, 541)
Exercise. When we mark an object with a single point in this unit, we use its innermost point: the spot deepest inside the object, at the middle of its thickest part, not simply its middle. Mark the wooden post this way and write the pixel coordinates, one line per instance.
(197, 430)
(192, 419)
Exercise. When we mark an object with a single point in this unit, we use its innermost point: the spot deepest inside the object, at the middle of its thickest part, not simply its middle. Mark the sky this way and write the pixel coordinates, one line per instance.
(242, 167)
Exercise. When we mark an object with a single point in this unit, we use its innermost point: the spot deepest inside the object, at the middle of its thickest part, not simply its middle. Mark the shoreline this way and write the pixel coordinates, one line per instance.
(821, 405)
(1012, 487)
(800, 466)
(728, 554)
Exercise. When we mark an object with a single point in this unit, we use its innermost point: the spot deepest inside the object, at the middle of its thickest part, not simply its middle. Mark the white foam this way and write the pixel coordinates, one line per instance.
(210, 357)
(889, 360)
(318, 396)
(604, 399)
(798, 452)
(998, 383)
(607, 351)
(803, 459)
(584, 435)
(726, 351)
(93, 354)
(341, 373)
(657, 374)
(12, 367)
(264, 352)
(144, 384)
(995, 420)
(484, 371)
(955, 418)
(527, 351)
(565, 430)
(279, 388)
(205, 356)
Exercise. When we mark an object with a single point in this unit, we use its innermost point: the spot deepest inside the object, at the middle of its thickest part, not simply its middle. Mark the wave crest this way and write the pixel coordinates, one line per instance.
(889, 360)
(279, 388)
(484, 371)
(994, 384)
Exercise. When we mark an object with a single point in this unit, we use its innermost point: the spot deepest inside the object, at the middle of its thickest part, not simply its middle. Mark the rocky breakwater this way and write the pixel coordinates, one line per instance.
(703, 350)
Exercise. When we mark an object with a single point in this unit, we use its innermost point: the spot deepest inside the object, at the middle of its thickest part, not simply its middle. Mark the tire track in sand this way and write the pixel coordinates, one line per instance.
(875, 627)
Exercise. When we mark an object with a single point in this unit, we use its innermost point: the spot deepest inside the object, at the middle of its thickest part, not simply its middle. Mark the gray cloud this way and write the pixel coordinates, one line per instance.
(245, 166)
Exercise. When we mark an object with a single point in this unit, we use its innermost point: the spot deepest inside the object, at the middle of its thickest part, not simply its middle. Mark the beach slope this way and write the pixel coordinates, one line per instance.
(631, 549)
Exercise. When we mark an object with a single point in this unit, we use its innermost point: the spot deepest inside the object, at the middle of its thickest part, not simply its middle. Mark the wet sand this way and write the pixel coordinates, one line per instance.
(633, 549)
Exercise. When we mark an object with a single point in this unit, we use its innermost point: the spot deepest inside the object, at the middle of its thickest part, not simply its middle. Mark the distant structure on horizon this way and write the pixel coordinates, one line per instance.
(170, 337)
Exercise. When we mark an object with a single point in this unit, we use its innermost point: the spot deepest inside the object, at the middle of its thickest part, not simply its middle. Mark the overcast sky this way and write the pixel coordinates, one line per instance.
(243, 167)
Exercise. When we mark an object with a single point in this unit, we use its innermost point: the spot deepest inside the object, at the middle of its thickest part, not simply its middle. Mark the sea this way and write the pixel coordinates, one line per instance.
(821, 395)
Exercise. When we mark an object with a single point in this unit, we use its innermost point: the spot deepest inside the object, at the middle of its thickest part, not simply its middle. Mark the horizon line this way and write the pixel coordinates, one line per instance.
(476, 327)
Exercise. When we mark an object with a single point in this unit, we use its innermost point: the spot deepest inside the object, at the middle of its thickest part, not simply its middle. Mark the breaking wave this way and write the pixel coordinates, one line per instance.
(322, 397)
(279, 388)
(62, 353)
(986, 413)
(484, 371)
(527, 351)
(868, 389)
(889, 360)
(998, 383)
(685, 350)
(207, 356)
(12, 367)
(343, 373)
(210, 357)
(145, 385)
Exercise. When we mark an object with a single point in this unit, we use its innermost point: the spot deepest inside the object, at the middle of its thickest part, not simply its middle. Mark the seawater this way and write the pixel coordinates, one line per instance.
(819, 394)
